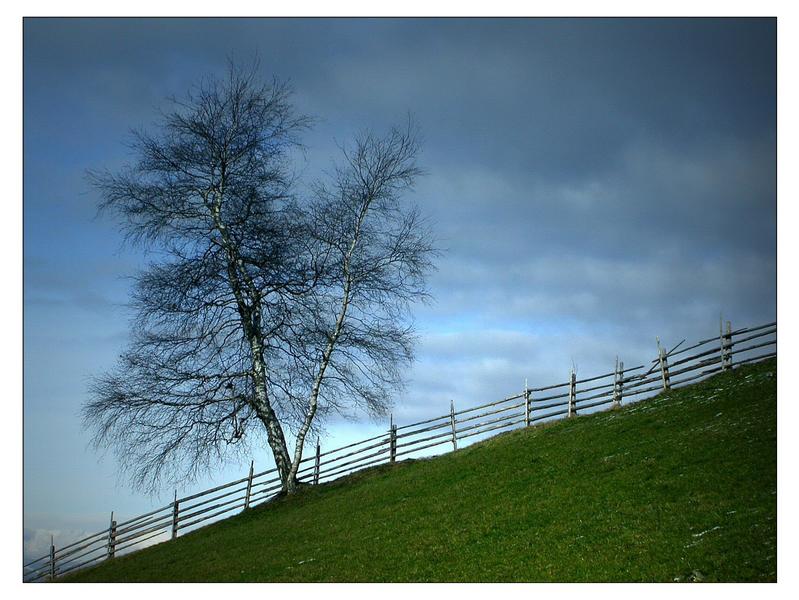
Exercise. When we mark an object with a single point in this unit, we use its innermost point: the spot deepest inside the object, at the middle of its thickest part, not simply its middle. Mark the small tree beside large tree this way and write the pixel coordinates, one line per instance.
(262, 307)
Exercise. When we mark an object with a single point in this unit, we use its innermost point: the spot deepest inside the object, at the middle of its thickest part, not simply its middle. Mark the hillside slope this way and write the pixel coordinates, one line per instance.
(681, 487)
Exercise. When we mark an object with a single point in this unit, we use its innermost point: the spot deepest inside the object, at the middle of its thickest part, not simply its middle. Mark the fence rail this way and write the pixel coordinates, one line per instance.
(711, 356)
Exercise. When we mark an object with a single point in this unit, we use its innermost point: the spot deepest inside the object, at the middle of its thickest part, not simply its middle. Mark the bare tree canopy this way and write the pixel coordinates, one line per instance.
(262, 308)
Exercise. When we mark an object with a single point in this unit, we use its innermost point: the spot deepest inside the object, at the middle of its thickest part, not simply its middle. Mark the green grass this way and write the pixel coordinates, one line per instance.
(681, 487)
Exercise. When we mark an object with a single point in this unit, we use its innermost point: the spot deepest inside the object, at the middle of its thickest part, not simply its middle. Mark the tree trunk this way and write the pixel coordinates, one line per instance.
(248, 301)
(267, 416)
(313, 403)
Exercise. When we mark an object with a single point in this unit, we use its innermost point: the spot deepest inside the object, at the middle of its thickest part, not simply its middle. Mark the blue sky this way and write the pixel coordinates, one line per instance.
(595, 183)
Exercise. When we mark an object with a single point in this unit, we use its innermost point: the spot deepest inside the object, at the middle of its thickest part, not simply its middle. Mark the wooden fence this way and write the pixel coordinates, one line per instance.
(671, 368)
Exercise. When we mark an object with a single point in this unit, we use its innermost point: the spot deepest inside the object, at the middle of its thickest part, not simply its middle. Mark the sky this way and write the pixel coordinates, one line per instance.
(593, 183)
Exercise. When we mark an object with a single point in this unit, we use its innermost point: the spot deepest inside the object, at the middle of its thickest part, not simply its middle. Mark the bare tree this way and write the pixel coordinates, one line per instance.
(259, 311)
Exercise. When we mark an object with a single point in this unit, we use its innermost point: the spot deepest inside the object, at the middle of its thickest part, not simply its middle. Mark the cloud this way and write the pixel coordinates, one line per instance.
(36, 542)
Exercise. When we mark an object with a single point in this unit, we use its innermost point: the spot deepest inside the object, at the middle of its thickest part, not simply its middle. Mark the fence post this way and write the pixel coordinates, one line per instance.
(721, 340)
(621, 381)
(526, 404)
(112, 536)
(572, 393)
(664, 366)
(52, 558)
(175, 516)
(726, 348)
(249, 485)
(392, 439)
(452, 423)
(616, 383)
(316, 462)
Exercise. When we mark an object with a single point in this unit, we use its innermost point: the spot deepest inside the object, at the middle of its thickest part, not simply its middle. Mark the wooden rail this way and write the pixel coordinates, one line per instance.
(710, 356)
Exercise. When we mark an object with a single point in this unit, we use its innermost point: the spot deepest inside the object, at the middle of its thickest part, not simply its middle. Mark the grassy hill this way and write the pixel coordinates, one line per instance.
(681, 487)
